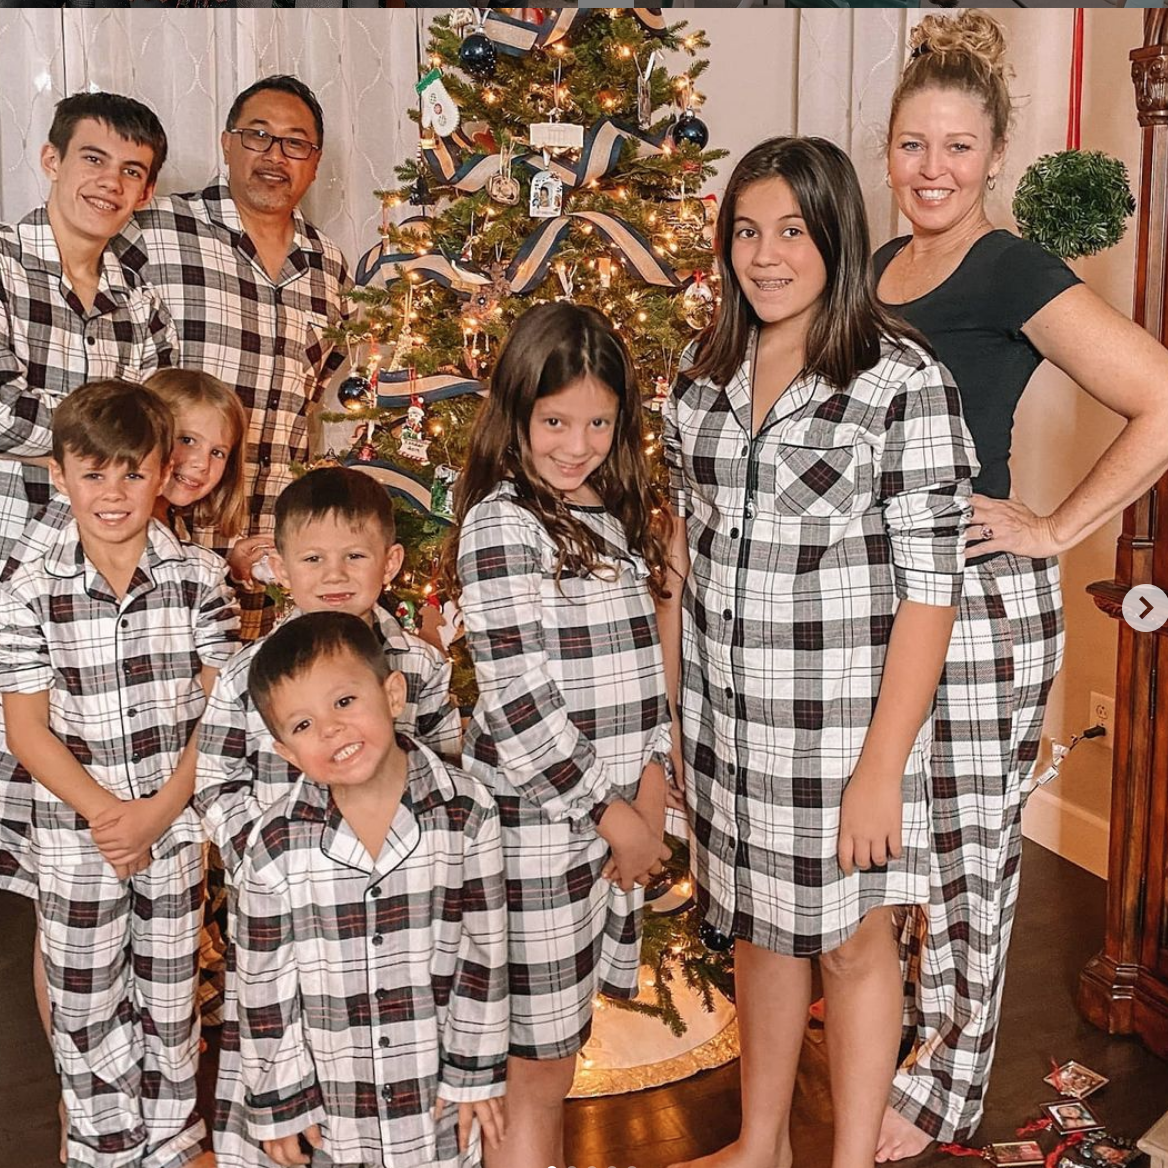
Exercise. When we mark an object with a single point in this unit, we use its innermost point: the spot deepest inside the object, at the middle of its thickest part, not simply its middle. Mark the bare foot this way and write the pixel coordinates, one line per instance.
(735, 1155)
(899, 1139)
(63, 1115)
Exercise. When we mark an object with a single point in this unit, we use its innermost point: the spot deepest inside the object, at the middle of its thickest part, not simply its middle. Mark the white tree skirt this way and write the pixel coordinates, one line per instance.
(630, 1052)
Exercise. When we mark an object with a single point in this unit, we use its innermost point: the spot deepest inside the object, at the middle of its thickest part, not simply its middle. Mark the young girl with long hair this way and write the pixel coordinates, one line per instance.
(559, 553)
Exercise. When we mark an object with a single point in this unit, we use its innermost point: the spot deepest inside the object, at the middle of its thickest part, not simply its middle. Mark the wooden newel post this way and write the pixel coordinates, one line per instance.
(1124, 988)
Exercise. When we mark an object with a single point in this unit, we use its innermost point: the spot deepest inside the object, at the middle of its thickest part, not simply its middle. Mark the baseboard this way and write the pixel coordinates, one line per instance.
(1068, 831)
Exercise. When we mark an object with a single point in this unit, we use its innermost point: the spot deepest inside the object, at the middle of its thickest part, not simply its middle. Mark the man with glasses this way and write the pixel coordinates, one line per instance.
(253, 287)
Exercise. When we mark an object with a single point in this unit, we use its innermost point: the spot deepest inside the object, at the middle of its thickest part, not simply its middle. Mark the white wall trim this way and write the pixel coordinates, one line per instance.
(1067, 830)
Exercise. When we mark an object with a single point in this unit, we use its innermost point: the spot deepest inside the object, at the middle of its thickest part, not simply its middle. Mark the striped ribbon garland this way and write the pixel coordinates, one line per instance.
(531, 264)
(410, 488)
(602, 149)
(517, 37)
(438, 387)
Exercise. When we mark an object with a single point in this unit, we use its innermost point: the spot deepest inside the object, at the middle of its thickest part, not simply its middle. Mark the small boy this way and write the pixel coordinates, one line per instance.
(336, 549)
(109, 642)
(372, 918)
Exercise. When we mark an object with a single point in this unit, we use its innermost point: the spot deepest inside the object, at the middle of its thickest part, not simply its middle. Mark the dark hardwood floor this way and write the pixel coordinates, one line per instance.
(1060, 922)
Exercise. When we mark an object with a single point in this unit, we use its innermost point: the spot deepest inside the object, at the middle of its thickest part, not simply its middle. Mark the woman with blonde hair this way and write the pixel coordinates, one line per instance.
(993, 307)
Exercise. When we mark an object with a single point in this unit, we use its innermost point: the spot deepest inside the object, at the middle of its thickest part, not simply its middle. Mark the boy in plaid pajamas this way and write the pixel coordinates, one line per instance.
(74, 304)
(372, 924)
(336, 550)
(109, 642)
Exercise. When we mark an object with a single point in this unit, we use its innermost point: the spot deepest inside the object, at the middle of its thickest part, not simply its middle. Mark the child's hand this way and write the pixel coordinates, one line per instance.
(650, 800)
(637, 852)
(245, 555)
(140, 864)
(128, 830)
(287, 1149)
(489, 1113)
(870, 821)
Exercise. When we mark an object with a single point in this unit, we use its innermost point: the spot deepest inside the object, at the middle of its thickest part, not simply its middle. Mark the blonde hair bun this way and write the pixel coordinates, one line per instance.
(972, 33)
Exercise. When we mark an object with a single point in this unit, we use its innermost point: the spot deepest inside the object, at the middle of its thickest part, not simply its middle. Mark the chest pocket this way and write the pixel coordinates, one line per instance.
(817, 468)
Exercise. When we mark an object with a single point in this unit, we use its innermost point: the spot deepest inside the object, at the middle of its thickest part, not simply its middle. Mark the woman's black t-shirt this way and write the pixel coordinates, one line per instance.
(974, 323)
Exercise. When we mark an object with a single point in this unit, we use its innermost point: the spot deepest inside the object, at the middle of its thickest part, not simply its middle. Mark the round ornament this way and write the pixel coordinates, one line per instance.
(477, 55)
(714, 940)
(503, 188)
(353, 393)
(690, 130)
(697, 305)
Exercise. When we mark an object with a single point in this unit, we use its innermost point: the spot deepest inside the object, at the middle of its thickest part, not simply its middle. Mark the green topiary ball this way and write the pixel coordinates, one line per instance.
(1074, 203)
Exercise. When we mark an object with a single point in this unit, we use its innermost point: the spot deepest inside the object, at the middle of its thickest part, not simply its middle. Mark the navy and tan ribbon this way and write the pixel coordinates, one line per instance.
(532, 262)
(437, 387)
(410, 488)
(603, 143)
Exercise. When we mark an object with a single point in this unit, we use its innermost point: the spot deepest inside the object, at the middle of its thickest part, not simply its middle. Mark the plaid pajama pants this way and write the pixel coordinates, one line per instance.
(122, 965)
(1006, 650)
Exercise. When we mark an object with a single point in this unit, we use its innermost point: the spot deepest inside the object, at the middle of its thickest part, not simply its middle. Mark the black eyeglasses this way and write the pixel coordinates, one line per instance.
(260, 142)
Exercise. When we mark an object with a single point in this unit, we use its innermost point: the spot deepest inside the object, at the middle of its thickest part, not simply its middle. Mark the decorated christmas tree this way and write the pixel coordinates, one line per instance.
(558, 157)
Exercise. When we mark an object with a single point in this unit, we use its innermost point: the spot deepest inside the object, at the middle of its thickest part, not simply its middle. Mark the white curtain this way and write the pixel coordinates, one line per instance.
(810, 72)
(848, 66)
(189, 64)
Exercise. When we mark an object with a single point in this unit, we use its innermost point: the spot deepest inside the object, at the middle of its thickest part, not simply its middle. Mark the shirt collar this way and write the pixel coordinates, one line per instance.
(65, 557)
(221, 209)
(39, 251)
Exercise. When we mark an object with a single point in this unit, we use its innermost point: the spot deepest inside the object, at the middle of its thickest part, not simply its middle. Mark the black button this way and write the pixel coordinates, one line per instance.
(745, 451)
(273, 401)
(135, 757)
(375, 890)
(91, 340)
(378, 939)
(383, 1042)
(265, 461)
(381, 994)
(729, 692)
(734, 533)
(727, 614)
(131, 713)
(730, 768)
(125, 623)
(387, 1092)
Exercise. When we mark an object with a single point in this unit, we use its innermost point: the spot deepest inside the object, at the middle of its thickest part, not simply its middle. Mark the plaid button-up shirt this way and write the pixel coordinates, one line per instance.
(50, 344)
(123, 675)
(369, 988)
(264, 337)
(240, 775)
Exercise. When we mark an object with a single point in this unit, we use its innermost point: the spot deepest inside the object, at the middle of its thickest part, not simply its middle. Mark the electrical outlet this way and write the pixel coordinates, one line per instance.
(1103, 714)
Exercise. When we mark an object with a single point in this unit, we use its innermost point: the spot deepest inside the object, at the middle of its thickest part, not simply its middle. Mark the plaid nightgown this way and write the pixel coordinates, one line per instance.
(571, 709)
(803, 540)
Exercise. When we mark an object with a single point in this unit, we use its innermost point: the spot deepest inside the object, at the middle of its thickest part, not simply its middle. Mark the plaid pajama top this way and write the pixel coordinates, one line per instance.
(50, 344)
(571, 709)
(122, 675)
(803, 540)
(370, 988)
(239, 775)
(266, 339)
